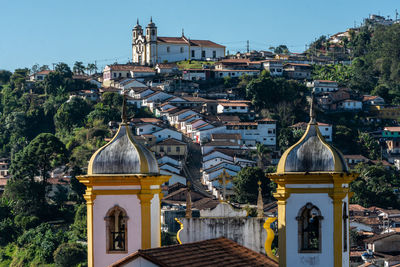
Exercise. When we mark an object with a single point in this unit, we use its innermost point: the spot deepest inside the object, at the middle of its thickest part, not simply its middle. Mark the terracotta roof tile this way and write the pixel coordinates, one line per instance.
(213, 252)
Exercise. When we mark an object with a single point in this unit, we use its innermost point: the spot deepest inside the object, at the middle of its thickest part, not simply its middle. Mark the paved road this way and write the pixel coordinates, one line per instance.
(193, 165)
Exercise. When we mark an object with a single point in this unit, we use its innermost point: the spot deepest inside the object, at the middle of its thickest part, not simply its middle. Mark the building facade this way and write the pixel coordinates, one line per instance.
(149, 49)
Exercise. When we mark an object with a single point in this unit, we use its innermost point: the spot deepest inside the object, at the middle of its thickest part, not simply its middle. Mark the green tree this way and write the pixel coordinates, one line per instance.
(71, 114)
(69, 255)
(263, 154)
(246, 187)
(369, 147)
(375, 186)
(64, 70)
(5, 76)
(91, 68)
(79, 68)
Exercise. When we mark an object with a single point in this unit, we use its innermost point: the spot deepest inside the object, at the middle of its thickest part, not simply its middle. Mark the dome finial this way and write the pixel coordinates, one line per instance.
(312, 110)
(183, 32)
(151, 19)
(137, 21)
(123, 115)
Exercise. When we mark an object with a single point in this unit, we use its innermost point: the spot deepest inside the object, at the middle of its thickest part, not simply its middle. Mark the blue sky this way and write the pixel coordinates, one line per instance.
(51, 31)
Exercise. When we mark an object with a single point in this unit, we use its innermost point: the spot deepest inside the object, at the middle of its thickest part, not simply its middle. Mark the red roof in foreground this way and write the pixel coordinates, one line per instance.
(213, 252)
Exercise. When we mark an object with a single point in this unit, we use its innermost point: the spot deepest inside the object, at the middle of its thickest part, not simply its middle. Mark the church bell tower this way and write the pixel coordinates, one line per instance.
(313, 198)
(151, 43)
(123, 199)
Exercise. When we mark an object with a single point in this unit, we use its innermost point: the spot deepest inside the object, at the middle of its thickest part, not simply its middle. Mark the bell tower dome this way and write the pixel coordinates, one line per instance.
(123, 193)
(313, 196)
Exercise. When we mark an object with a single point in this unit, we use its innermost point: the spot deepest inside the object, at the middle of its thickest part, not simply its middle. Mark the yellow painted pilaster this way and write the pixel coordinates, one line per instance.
(90, 197)
(281, 195)
(337, 231)
(145, 205)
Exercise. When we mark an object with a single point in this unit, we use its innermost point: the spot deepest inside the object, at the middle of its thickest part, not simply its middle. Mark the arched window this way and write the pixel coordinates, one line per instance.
(309, 221)
(345, 217)
(116, 230)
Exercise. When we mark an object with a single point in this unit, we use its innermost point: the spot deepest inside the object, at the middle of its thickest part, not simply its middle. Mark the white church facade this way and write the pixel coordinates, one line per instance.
(149, 49)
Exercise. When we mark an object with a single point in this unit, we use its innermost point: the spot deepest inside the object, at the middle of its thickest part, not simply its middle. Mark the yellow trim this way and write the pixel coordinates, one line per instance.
(90, 197)
(145, 205)
(312, 178)
(270, 238)
(336, 157)
(282, 232)
(179, 231)
(121, 179)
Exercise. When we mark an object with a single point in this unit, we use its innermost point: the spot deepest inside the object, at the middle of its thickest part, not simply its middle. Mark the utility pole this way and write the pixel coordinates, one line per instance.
(248, 46)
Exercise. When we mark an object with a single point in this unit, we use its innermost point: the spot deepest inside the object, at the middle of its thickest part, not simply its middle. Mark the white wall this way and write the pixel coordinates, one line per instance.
(155, 221)
(248, 232)
(140, 262)
(167, 133)
(293, 258)
(102, 204)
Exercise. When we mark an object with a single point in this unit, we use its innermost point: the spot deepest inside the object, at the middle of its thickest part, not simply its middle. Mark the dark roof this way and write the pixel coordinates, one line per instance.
(379, 237)
(171, 141)
(213, 252)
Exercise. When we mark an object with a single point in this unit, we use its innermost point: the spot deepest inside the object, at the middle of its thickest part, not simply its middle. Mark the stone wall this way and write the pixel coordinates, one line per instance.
(246, 231)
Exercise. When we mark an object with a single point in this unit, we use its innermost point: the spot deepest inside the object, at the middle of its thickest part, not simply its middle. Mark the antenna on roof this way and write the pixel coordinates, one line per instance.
(312, 111)
(123, 115)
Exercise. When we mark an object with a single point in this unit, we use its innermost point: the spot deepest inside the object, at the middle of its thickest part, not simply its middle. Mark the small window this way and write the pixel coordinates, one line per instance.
(161, 149)
(214, 54)
(150, 139)
(120, 74)
(182, 49)
(203, 53)
(193, 53)
(140, 130)
(168, 149)
(309, 225)
(178, 149)
(116, 227)
(168, 50)
(115, 75)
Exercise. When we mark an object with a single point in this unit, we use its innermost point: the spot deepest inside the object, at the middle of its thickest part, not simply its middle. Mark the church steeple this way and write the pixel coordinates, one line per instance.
(312, 194)
(122, 198)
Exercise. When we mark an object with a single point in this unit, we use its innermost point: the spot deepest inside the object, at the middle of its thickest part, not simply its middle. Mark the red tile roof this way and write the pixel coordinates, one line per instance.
(171, 141)
(227, 104)
(183, 40)
(213, 252)
(392, 129)
(205, 43)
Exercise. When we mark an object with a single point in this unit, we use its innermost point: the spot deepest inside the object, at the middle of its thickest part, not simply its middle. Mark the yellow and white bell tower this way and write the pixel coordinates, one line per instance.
(123, 199)
(313, 196)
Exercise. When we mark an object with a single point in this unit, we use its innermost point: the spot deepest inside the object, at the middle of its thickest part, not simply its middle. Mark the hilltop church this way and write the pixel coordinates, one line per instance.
(150, 49)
